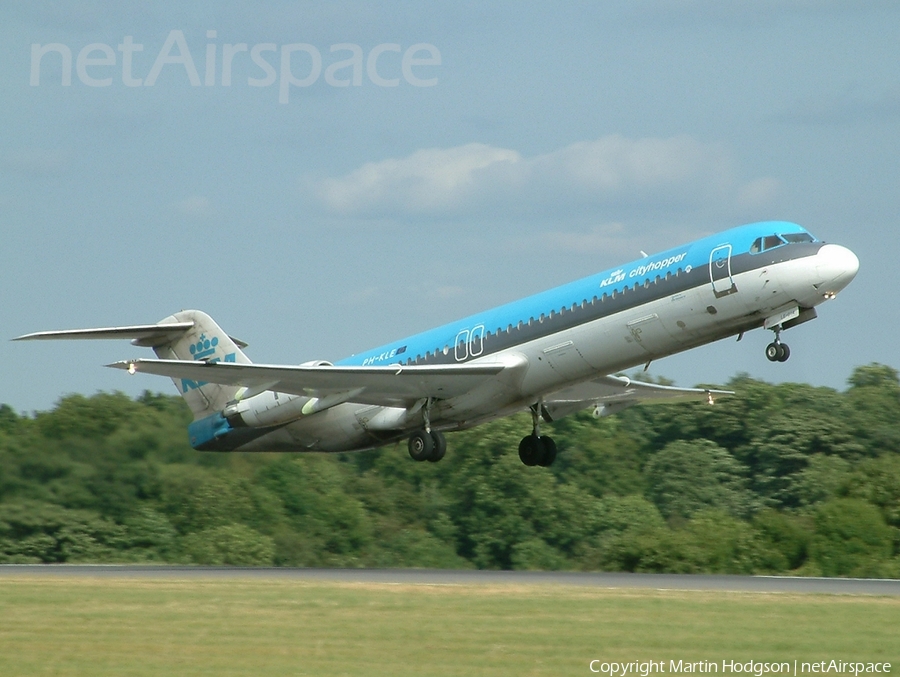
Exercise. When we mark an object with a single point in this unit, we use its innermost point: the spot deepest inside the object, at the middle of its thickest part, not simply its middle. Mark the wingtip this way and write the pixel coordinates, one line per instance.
(126, 365)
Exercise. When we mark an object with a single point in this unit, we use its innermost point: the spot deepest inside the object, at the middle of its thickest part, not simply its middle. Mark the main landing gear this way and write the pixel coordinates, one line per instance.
(777, 351)
(426, 444)
(535, 449)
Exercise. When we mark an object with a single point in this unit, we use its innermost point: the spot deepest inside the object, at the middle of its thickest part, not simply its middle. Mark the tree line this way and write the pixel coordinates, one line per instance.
(784, 478)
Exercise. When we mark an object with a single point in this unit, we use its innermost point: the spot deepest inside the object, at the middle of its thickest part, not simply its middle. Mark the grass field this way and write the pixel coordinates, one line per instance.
(120, 626)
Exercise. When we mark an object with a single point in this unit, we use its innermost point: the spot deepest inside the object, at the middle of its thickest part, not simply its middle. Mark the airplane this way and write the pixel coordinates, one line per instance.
(552, 354)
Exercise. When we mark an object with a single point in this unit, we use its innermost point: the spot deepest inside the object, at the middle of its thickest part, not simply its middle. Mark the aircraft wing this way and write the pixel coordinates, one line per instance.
(394, 385)
(614, 393)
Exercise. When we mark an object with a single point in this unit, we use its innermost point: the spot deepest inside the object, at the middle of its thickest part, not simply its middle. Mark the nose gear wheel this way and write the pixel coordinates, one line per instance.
(777, 351)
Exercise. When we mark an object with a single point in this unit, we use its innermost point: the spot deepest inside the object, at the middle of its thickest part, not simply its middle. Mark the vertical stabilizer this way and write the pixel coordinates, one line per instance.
(204, 341)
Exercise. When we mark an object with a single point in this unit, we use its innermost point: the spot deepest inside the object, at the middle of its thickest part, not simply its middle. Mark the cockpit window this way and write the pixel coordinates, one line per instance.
(798, 237)
(762, 244)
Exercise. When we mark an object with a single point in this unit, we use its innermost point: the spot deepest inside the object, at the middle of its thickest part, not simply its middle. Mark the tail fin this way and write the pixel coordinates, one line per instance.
(204, 341)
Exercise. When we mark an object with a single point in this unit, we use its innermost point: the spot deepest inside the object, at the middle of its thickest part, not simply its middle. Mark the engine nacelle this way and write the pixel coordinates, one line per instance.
(266, 409)
(269, 407)
(234, 425)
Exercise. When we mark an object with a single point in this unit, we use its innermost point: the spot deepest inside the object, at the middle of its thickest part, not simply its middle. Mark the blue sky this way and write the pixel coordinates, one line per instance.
(547, 143)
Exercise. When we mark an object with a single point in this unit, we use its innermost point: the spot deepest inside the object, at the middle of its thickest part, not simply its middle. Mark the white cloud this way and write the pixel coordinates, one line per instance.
(600, 239)
(758, 193)
(852, 106)
(432, 179)
(196, 207)
(448, 292)
(613, 171)
(600, 244)
(362, 296)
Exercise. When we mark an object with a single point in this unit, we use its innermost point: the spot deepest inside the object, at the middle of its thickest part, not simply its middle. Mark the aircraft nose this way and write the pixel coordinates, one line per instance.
(836, 266)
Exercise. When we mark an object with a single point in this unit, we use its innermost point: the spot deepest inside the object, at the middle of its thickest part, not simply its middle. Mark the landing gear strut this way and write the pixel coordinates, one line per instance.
(777, 351)
(426, 444)
(535, 449)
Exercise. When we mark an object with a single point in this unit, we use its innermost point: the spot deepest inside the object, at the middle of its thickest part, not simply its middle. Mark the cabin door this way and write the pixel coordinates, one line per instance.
(720, 271)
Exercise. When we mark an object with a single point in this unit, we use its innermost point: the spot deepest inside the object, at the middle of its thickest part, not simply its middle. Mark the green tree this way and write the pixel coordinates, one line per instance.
(685, 477)
(233, 544)
(851, 539)
(599, 456)
(333, 526)
(9, 420)
(874, 402)
(823, 478)
(35, 532)
(877, 481)
(109, 479)
(785, 534)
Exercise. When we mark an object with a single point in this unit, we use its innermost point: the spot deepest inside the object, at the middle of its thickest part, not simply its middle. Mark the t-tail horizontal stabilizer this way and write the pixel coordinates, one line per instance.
(147, 335)
(188, 336)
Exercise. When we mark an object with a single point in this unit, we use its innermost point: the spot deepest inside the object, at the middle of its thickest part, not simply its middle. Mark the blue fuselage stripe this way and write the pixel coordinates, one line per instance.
(607, 293)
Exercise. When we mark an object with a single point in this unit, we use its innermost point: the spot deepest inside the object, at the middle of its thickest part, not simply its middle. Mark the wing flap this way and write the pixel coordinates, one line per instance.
(614, 393)
(389, 386)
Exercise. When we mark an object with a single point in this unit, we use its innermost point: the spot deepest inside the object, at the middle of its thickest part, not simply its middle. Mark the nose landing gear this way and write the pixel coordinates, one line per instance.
(777, 351)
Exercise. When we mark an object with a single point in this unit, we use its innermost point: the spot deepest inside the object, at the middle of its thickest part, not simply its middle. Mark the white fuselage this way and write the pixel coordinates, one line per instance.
(724, 305)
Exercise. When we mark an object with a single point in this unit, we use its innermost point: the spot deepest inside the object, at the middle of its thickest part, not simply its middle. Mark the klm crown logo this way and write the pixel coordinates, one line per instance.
(204, 348)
